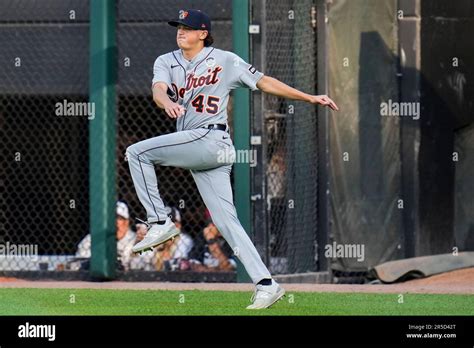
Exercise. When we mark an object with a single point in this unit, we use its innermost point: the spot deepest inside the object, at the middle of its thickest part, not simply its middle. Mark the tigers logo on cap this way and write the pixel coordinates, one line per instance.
(183, 14)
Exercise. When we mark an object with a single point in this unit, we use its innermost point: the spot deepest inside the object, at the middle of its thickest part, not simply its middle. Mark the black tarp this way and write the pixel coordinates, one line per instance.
(365, 166)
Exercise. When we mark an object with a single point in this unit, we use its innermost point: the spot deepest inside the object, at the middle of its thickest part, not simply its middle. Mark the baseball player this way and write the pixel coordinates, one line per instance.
(192, 85)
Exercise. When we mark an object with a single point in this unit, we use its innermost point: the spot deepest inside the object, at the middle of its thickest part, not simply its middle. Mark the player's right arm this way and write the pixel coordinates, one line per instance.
(273, 86)
(244, 74)
(160, 83)
(161, 99)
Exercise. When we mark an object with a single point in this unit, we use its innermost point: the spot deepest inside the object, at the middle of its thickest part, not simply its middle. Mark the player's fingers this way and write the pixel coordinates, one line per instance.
(181, 110)
(170, 112)
(324, 101)
(174, 112)
(333, 105)
(178, 110)
(179, 113)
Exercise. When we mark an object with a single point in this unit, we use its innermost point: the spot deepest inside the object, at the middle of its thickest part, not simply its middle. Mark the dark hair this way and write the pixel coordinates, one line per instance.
(209, 40)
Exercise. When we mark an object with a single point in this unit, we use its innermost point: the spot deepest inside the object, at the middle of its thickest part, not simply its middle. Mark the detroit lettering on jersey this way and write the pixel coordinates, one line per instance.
(203, 84)
(195, 81)
(199, 81)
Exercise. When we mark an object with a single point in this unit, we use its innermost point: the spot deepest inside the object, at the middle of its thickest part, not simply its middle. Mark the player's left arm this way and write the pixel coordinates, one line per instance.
(273, 86)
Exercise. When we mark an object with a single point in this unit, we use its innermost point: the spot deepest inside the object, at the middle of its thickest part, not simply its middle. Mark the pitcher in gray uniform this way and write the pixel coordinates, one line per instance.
(192, 85)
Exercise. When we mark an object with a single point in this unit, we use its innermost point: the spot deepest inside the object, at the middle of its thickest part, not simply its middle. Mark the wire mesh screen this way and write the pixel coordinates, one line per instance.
(143, 35)
(44, 167)
(288, 52)
(44, 117)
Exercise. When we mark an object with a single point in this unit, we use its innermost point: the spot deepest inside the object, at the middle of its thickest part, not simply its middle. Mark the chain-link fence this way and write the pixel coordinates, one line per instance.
(144, 34)
(44, 168)
(45, 171)
(286, 49)
(44, 118)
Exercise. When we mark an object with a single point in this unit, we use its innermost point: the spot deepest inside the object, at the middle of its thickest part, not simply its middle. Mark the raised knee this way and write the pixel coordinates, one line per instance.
(131, 151)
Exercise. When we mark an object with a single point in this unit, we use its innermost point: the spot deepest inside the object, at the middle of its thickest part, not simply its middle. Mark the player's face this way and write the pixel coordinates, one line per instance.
(188, 38)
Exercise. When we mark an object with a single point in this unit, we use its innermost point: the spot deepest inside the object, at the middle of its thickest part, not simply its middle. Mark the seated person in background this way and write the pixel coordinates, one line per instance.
(215, 254)
(168, 256)
(125, 238)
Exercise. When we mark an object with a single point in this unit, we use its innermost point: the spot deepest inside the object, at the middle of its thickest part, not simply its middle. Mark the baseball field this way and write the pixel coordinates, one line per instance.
(197, 302)
(447, 294)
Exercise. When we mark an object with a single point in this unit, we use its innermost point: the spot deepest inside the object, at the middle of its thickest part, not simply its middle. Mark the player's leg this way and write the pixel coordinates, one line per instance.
(187, 149)
(215, 189)
(180, 149)
(216, 192)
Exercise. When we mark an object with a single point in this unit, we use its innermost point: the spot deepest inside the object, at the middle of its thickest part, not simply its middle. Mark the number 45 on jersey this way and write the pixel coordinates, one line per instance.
(202, 103)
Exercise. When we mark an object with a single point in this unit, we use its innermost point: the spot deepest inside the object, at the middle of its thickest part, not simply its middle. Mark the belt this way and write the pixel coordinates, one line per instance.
(221, 127)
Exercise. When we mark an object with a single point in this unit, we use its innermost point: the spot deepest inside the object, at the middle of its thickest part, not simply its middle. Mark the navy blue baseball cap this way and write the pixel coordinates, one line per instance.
(193, 19)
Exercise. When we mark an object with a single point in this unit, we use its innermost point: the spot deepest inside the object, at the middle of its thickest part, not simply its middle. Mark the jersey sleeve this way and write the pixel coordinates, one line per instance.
(161, 71)
(242, 73)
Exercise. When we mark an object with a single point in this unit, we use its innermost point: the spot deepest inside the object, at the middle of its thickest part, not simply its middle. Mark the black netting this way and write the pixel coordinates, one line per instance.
(44, 169)
(45, 164)
(143, 35)
(290, 135)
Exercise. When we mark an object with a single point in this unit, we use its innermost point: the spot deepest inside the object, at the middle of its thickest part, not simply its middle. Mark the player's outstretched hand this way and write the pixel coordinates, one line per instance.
(323, 100)
(174, 110)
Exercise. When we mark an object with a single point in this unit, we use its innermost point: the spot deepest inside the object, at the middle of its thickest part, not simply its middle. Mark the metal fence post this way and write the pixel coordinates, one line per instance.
(240, 34)
(324, 224)
(102, 134)
(258, 177)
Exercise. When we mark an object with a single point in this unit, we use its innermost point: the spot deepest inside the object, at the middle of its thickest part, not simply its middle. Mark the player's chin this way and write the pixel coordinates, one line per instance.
(181, 44)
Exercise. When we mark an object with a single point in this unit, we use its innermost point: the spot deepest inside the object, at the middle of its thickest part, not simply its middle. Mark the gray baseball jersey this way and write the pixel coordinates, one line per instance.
(202, 85)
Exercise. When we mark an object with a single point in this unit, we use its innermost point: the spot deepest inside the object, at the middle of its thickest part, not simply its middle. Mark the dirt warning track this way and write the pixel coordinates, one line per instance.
(456, 282)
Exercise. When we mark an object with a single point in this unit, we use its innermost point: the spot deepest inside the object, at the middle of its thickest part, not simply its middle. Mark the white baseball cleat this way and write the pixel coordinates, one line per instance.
(266, 295)
(156, 235)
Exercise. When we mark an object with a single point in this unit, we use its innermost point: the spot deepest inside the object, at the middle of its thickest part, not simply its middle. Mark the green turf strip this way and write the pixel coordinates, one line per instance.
(162, 302)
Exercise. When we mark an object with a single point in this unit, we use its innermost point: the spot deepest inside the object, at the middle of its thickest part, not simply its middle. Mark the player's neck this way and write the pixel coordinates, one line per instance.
(191, 53)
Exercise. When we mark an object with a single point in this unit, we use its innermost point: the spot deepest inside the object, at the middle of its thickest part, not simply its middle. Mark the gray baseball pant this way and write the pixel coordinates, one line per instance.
(208, 154)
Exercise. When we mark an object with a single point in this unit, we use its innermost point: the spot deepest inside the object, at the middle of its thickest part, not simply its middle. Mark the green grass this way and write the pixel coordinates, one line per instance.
(152, 302)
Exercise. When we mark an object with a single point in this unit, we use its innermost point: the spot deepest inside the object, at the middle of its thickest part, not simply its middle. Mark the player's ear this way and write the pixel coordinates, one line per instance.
(208, 41)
